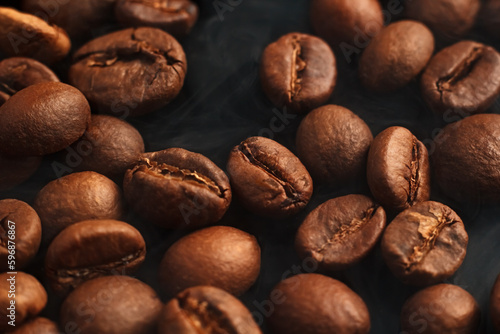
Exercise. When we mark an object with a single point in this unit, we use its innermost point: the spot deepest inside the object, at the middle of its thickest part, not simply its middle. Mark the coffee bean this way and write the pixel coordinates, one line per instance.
(333, 144)
(38, 325)
(317, 304)
(351, 22)
(176, 17)
(21, 232)
(205, 310)
(298, 72)
(29, 295)
(268, 178)
(340, 232)
(112, 304)
(91, 249)
(425, 244)
(220, 256)
(77, 197)
(489, 17)
(42, 119)
(398, 170)
(130, 72)
(177, 188)
(14, 170)
(442, 308)
(466, 161)
(18, 73)
(495, 305)
(390, 62)
(25, 35)
(462, 79)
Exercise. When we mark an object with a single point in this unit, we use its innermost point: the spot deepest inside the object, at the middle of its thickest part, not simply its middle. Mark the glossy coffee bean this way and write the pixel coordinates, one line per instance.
(37, 325)
(25, 35)
(17, 73)
(111, 304)
(204, 310)
(398, 169)
(442, 308)
(14, 170)
(390, 62)
(91, 249)
(30, 299)
(42, 119)
(495, 305)
(175, 17)
(489, 17)
(77, 197)
(317, 304)
(340, 232)
(220, 256)
(425, 244)
(462, 79)
(21, 234)
(269, 179)
(333, 144)
(466, 171)
(130, 72)
(176, 188)
(298, 72)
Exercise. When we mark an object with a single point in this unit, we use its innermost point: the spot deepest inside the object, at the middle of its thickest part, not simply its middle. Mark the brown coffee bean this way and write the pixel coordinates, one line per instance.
(18, 73)
(220, 256)
(177, 188)
(14, 170)
(91, 249)
(466, 160)
(38, 325)
(205, 310)
(317, 304)
(442, 308)
(112, 304)
(268, 178)
(25, 35)
(130, 72)
(333, 144)
(390, 61)
(351, 22)
(42, 119)
(176, 17)
(489, 17)
(298, 72)
(21, 234)
(425, 244)
(398, 170)
(30, 299)
(462, 79)
(340, 232)
(77, 197)
(495, 305)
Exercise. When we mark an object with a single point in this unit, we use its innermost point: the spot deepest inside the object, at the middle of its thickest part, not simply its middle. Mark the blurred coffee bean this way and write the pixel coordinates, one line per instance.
(37, 325)
(495, 305)
(14, 170)
(489, 17)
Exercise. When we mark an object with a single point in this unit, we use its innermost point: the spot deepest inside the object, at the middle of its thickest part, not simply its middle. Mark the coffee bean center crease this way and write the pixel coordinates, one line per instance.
(204, 317)
(298, 65)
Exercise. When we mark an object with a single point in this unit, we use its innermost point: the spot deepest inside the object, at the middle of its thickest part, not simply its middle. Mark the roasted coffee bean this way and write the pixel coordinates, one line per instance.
(425, 244)
(42, 119)
(220, 256)
(462, 79)
(21, 231)
(340, 232)
(29, 295)
(177, 188)
(448, 19)
(391, 61)
(113, 304)
(206, 310)
(466, 160)
(489, 17)
(91, 249)
(77, 197)
(268, 178)
(317, 304)
(333, 144)
(176, 17)
(130, 72)
(18, 73)
(25, 35)
(14, 170)
(38, 325)
(298, 72)
(398, 170)
(495, 305)
(442, 308)
(351, 22)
